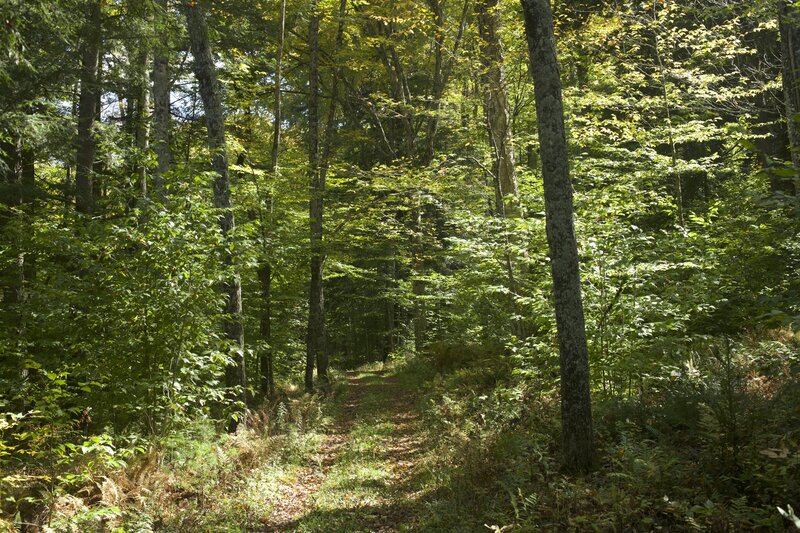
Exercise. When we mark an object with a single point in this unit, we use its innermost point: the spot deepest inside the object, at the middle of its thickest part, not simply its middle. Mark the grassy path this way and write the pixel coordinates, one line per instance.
(361, 478)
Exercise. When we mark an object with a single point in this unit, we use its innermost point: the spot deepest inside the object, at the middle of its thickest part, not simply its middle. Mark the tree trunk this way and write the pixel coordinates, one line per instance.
(315, 345)
(576, 413)
(391, 276)
(418, 284)
(317, 299)
(276, 127)
(17, 178)
(266, 359)
(162, 119)
(87, 110)
(140, 99)
(498, 117)
(438, 82)
(790, 55)
(498, 127)
(265, 272)
(210, 93)
(11, 171)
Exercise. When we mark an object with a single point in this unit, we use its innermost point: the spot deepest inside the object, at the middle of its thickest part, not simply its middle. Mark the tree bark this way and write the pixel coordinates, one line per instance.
(315, 345)
(317, 299)
(438, 82)
(162, 120)
(87, 110)
(266, 359)
(276, 127)
(141, 102)
(389, 313)
(418, 284)
(576, 413)
(265, 272)
(790, 51)
(11, 171)
(210, 93)
(498, 127)
(498, 116)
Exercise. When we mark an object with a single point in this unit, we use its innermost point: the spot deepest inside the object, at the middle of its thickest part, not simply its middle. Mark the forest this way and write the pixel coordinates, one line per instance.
(399, 265)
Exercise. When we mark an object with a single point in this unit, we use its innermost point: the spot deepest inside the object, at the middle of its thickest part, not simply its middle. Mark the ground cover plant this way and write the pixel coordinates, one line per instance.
(419, 265)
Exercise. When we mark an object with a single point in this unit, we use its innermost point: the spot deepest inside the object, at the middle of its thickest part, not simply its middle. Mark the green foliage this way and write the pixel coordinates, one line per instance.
(708, 446)
(111, 346)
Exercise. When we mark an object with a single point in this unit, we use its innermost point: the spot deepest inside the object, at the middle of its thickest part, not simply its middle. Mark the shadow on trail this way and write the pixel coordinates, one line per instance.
(371, 483)
(374, 474)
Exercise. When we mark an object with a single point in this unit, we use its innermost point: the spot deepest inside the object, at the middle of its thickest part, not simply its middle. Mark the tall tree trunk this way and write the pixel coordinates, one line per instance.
(438, 82)
(140, 96)
(87, 109)
(498, 127)
(789, 25)
(576, 412)
(11, 171)
(315, 345)
(265, 272)
(276, 127)
(318, 192)
(265, 329)
(210, 93)
(389, 310)
(498, 116)
(141, 132)
(162, 119)
(17, 178)
(418, 284)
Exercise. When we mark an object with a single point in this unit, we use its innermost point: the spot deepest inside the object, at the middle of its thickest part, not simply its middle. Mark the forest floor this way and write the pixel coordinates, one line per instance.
(362, 476)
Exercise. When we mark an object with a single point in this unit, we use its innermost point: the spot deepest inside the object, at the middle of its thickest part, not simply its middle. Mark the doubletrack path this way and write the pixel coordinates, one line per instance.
(361, 476)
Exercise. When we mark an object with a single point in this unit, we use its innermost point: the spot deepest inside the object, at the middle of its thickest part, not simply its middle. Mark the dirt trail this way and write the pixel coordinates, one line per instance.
(359, 477)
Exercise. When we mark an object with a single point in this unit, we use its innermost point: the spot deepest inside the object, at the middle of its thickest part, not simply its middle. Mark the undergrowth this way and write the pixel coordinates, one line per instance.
(196, 478)
(711, 443)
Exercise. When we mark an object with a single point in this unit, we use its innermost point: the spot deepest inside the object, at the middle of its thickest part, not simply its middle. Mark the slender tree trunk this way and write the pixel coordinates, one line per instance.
(265, 272)
(498, 116)
(266, 359)
(162, 120)
(330, 123)
(391, 275)
(99, 185)
(418, 285)
(210, 93)
(576, 413)
(17, 174)
(87, 109)
(498, 127)
(315, 346)
(317, 299)
(141, 102)
(12, 174)
(276, 127)
(790, 54)
(663, 74)
(438, 82)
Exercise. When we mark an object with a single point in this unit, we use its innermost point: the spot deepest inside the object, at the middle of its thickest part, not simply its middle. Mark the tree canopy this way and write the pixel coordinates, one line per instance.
(209, 207)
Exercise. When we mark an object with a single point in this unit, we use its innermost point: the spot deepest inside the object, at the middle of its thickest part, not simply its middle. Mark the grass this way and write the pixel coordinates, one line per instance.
(474, 448)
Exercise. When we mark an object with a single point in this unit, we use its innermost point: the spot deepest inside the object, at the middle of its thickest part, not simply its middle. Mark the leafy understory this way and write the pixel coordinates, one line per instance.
(440, 265)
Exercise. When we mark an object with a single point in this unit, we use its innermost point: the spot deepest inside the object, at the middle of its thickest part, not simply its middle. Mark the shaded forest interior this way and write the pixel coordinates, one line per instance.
(399, 265)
